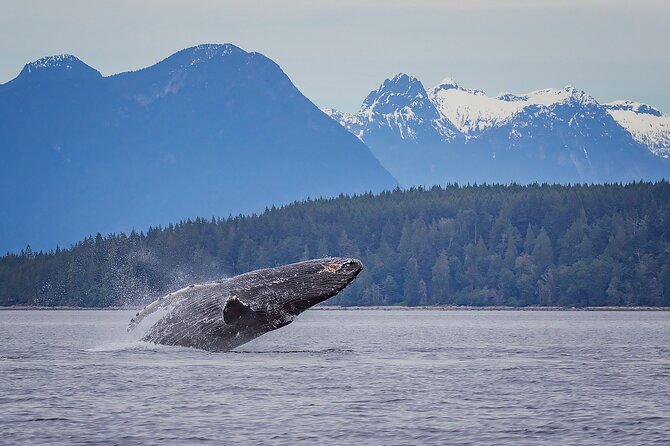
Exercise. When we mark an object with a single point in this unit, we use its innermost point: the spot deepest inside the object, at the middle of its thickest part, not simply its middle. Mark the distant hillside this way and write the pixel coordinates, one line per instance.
(453, 134)
(211, 130)
(475, 245)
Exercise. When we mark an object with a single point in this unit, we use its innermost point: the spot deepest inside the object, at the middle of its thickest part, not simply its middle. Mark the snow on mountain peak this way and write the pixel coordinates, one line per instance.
(401, 106)
(511, 97)
(646, 124)
(549, 96)
(64, 61)
(402, 78)
(552, 96)
(636, 107)
(58, 67)
(450, 84)
(401, 91)
(401, 84)
(447, 84)
(209, 51)
(200, 55)
(470, 110)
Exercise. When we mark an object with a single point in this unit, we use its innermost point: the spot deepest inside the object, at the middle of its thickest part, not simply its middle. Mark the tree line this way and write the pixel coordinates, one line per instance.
(513, 245)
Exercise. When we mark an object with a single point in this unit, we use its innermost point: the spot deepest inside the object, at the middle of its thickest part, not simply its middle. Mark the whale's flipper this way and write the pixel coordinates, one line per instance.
(169, 299)
(236, 312)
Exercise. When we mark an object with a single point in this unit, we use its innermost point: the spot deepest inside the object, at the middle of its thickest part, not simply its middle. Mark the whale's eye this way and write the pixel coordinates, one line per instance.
(331, 267)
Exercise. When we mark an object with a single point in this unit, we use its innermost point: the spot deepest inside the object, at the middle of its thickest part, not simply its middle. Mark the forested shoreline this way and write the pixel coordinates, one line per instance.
(486, 245)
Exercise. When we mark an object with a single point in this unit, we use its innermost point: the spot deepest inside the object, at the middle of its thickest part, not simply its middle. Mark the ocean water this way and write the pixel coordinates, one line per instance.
(343, 377)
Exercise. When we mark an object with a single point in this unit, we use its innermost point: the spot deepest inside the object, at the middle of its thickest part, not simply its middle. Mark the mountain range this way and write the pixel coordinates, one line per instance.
(210, 130)
(449, 133)
(214, 130)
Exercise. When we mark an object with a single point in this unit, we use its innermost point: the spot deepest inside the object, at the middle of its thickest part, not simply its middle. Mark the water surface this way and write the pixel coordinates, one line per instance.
(343, 377)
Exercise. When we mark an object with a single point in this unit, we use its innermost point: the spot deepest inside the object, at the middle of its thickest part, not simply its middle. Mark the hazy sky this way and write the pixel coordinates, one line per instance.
(337, 51)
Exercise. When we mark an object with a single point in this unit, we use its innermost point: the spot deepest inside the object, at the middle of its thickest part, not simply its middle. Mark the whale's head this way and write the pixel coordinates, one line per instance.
(319, 280)
(279, 294)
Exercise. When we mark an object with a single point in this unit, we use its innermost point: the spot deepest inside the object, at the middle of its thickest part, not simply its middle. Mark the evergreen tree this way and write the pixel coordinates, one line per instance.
(543, 254)
(529, 240)
(390, 290)
(411, 285)
(440, 279)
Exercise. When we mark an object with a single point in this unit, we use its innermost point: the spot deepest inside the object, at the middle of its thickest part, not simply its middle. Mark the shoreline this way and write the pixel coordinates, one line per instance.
(492, 308)
(366, 308)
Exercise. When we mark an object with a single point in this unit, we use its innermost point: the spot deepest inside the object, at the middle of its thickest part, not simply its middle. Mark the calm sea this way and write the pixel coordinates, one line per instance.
(343, 377)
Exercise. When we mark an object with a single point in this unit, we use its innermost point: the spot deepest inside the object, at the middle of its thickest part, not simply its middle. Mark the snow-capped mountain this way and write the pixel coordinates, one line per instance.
(647, 125)
(63, 66)
(399, 118)
(400, 108)
(449, 133)
(210, 130)
(471, 111)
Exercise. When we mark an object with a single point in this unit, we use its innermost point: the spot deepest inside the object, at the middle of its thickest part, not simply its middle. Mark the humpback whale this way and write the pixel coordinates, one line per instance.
(221, 315)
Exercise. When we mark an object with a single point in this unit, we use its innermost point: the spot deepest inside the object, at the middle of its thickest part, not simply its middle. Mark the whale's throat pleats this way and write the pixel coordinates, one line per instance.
(204, 289)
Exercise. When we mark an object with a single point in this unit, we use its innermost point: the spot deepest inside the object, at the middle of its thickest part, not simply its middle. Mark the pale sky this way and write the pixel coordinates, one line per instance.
(337, 51)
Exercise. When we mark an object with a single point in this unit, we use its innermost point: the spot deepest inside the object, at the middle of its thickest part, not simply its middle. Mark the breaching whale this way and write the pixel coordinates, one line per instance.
(221, 315)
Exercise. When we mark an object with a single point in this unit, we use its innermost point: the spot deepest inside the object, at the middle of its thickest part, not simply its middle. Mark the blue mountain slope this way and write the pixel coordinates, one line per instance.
(211, 130)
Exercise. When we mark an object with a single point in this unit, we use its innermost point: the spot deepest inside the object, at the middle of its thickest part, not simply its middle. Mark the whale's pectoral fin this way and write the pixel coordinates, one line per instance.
(237, 312)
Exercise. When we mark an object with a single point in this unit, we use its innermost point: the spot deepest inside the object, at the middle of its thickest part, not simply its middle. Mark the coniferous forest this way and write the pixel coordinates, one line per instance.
(546, 245)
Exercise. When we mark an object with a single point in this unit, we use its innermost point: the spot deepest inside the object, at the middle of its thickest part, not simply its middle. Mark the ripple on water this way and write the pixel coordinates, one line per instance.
(343, 377)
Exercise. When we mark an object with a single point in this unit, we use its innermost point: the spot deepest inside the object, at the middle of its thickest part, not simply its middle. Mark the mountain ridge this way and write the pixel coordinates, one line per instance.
(565, 135)
(209, 130)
